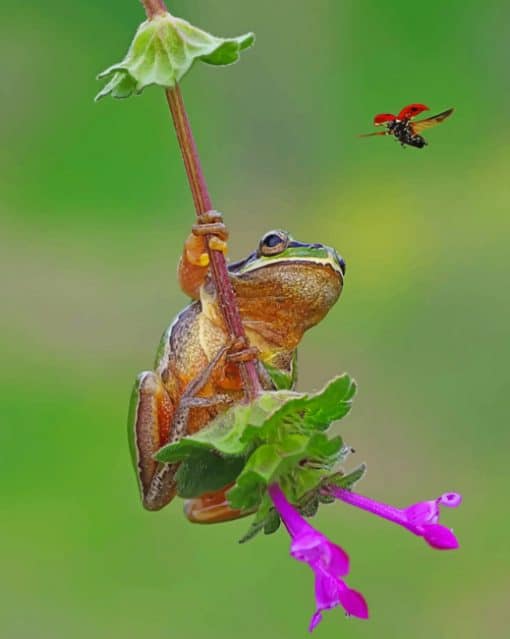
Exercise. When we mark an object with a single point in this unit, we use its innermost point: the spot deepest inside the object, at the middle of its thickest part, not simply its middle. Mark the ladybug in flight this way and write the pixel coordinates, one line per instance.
(405, 131)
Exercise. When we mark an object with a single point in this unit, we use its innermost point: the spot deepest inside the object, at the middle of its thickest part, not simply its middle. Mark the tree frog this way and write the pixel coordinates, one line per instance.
(283, 288)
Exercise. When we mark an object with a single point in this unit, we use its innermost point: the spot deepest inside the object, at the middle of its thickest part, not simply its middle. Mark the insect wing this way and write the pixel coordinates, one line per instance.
(381, 118)
(411, 111)
(421, 125)
(369, 135)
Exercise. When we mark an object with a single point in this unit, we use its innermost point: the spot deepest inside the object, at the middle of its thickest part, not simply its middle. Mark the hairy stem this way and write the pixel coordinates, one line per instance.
(203, 204)
(153, 7)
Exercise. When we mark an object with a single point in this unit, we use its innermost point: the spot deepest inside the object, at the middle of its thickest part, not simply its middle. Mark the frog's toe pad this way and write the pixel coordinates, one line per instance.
(197, 259)
(217, 244)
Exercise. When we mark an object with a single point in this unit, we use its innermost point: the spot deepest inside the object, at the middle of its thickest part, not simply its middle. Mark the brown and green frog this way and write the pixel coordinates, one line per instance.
(282, 289)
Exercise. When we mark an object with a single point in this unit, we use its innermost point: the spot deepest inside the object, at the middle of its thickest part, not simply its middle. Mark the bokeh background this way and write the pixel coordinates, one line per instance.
(94, 208)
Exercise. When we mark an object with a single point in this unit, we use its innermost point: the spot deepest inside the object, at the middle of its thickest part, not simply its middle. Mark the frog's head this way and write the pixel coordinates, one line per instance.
(286, 286)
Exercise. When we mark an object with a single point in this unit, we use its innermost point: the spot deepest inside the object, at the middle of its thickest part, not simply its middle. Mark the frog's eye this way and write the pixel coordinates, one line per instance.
(273, 243)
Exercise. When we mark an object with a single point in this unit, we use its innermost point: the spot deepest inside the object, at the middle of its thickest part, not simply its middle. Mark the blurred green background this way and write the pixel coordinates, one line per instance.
(94, 208)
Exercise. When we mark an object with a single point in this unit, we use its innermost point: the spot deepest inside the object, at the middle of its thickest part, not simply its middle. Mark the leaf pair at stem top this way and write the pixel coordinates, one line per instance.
(163, 51)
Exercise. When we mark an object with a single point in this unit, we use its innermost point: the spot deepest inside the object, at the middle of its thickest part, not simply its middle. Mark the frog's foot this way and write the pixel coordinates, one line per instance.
(212, 508)
(241, 351)
(211, 223)
(238, 352)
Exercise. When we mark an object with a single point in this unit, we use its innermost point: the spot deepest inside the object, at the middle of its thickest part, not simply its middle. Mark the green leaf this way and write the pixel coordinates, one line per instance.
(272, 523)
(226, 433)
(206, 471)
(281, 378)
(281, 436)
(346, 481)
(304, 481)
(180, 450)
(264, 518)
(273, 412)
(261, 468)
(310, 506)
(322, 448)
(253, 531)
(163, 51)
(247, 492)
(317, 411)
(265, 466)
(264, 462)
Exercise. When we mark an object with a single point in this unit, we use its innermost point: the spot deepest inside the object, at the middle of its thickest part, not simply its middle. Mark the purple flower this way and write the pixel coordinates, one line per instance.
(422, 518)
(328, 561)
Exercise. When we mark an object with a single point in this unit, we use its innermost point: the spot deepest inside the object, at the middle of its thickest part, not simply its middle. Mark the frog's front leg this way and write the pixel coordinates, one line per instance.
(194, 262)
(155, 420)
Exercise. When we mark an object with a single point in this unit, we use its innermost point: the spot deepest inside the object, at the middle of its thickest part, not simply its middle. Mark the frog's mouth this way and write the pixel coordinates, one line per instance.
(295, 252)
(241, 264)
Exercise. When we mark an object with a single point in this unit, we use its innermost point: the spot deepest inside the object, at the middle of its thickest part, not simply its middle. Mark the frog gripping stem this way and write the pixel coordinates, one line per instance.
(203, 205)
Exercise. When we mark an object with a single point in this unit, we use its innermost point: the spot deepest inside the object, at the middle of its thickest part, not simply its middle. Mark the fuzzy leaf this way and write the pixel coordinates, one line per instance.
(264, 517)
(310, 506)
(272, 413)
(206, 471)
(268, 463)
(261, 468)
(311, 412)
(163, 51)
(283, 379)
(281, 436)
(304, 482)
(322, 448)
(253, 531)
(273, 522)
(347, 481)
(247, 492)
(226, 432)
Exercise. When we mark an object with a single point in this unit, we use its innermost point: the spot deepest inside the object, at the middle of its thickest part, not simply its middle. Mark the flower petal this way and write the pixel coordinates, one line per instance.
(440, 537)
(294, 522)
(308, 547)
(315, 549)
(424, 512)
(338, 561)
(422, 519)
(353, 602)
(328, 561)
(452, 500)
(331, 591)
(327, 590)
(315, 620)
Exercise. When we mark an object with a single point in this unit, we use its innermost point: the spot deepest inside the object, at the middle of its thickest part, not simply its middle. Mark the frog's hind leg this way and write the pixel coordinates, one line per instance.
(212, 508)
(154, 420)
(150, 418)
(191, 399)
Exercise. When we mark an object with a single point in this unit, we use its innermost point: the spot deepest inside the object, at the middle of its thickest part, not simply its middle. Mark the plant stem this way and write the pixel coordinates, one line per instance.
(154, 7)
(202, 201)
(203, 204)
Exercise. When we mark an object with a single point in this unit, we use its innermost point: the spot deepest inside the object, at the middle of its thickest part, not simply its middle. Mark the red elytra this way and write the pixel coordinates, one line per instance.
(384, 117)
(408, 112)
(411, 111)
